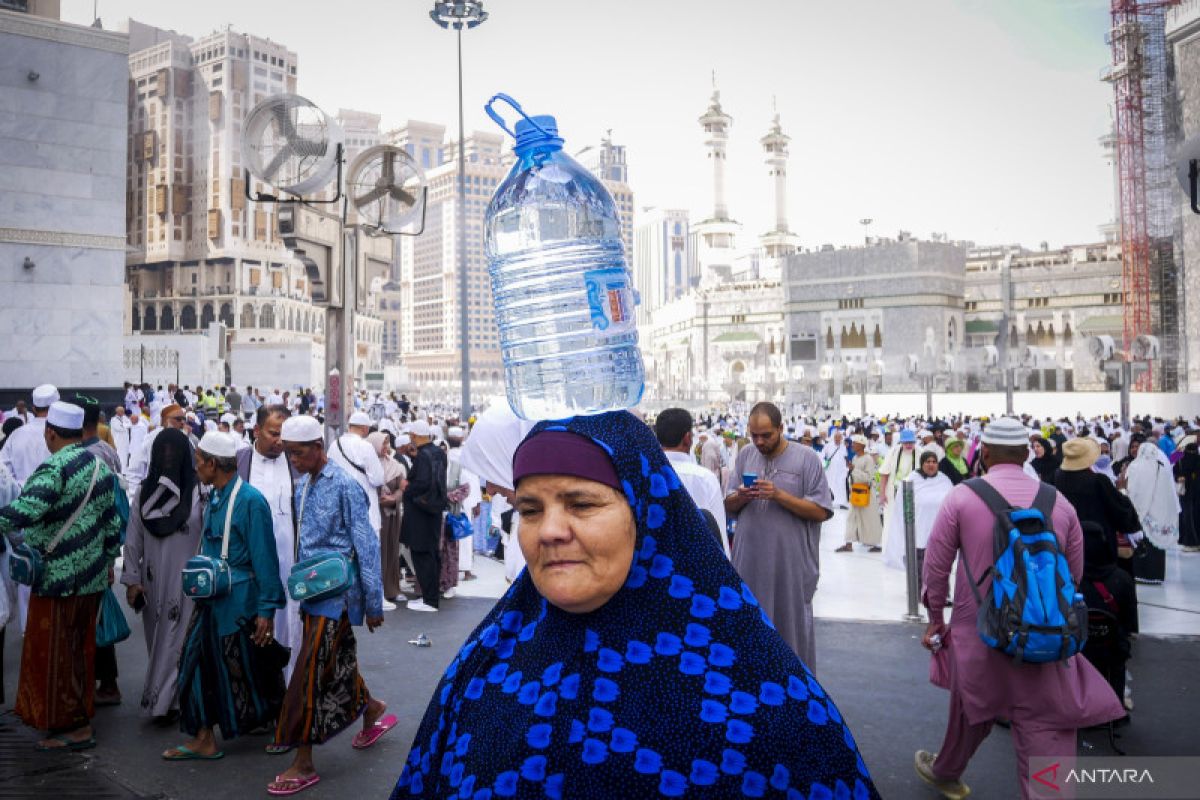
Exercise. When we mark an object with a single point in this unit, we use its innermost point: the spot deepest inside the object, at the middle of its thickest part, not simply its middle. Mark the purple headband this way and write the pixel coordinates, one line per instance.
(563, 453)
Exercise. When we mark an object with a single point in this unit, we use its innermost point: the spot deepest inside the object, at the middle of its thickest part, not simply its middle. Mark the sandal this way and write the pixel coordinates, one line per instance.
(68, 745)
(185, 753)
(279, 749)
(282, 787)
(364, 739)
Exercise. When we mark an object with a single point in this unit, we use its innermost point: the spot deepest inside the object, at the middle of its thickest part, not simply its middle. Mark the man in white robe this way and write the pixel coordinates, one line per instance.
(265, 468)
(119, 425)
(23, 453)
(836, 468)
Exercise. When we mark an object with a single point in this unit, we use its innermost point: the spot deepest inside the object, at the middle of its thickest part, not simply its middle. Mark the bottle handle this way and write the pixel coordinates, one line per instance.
(499, 120)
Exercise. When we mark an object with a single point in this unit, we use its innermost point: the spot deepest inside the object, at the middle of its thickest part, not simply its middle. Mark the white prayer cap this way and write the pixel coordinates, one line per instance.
(64, 415)
(455, 432)
(360, 418)
(301, 428)
(218, 444)
(45, 396)
(228, 419)
(402, 440)
(1005, 431)
(209, 425)
(420, 428)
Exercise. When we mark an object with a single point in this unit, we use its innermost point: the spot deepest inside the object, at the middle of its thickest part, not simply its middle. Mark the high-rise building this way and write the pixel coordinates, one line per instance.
(663, 266)
(200, 250)
(429, 318)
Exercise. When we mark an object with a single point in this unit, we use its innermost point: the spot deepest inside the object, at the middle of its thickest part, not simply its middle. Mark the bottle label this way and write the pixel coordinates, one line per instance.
(610, 299)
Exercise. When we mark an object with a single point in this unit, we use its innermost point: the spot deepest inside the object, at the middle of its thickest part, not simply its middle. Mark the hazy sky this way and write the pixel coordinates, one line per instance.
(977, 118)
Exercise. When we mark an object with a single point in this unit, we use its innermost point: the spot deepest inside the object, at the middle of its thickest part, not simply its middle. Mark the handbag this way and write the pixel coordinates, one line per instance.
(460, 526)
(206, 577)
(860, 495)
(322, 576)
(26, 565)
(111, 626)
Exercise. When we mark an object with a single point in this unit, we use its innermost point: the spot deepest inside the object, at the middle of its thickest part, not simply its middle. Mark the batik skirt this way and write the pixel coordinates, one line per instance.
(326, 694)
(58, 663)
(222, 681)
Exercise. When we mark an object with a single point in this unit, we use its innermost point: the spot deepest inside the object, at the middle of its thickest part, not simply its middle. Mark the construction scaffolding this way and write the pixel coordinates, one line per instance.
(1141, 92)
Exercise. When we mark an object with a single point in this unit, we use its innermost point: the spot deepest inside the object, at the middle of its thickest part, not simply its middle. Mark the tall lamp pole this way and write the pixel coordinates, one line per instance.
(459, 14)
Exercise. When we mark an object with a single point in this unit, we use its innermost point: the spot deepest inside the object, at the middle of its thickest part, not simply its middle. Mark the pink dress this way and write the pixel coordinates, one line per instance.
(1060, 696)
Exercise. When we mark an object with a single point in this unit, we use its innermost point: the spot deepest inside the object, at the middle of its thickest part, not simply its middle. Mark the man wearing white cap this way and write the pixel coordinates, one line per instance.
(218, 682)
(1046, 703)
(26, 448)
(68, 502)
(265, 467)
(328, 694)
(353, 453)
(458, 476)
(425, 498)
(23, 453)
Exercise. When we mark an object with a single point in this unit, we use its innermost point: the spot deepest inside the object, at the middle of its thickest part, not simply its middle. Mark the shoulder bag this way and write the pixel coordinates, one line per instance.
(322, 576)
(206, 577)
(26, 565)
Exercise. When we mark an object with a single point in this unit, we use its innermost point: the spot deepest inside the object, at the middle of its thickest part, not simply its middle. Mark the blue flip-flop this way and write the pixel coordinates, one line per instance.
(188, 754)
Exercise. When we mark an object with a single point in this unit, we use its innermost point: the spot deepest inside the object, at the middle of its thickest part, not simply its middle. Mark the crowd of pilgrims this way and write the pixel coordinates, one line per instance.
(411, 496)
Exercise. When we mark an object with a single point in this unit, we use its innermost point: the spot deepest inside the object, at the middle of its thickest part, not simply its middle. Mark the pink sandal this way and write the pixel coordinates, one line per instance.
(292, 785)
(364, 739)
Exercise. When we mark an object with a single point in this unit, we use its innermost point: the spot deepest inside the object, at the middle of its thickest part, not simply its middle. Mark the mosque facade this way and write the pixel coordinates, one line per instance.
(771, 321)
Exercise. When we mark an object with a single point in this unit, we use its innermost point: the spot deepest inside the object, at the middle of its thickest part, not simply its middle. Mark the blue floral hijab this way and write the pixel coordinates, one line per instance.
(677, 686)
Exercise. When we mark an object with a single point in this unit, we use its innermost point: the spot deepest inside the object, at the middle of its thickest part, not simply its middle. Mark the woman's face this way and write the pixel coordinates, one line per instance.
(577, 537)
(929, 466)
(1038, 450)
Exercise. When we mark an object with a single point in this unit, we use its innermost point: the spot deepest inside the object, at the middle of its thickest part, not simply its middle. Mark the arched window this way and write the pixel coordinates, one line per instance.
(149, 323)
(136, 319)
(248, 320)
(1014, 339)
(877, 337)
(829, 338)
(1050, 334)
(1068, 334)
(167, 323)
(227, 314)
(266, 317)
(187, 318)
(207, 316)
(1040, 335)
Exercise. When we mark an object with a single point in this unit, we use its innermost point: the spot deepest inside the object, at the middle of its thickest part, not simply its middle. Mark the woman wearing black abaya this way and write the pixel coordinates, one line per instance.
(1045, 460)
(1187, 471)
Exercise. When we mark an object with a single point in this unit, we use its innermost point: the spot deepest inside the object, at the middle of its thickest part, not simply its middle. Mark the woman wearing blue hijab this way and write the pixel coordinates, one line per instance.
(629, 659)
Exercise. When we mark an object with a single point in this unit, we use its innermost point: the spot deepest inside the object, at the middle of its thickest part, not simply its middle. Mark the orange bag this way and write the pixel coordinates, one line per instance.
(860, 495)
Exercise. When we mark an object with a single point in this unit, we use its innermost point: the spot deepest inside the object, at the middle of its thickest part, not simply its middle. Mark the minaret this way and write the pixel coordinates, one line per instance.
(716, 136)
(778, 242)
(716, 235)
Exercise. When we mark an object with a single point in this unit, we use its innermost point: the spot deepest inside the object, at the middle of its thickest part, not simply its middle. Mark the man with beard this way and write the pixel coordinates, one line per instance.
(779, 516)
(421, 526)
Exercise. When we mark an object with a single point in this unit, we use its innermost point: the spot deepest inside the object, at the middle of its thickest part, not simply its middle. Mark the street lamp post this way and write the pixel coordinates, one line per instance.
(458, 14)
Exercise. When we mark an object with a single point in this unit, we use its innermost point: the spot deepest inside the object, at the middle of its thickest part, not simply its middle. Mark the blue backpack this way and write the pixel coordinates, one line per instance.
(1032, 611)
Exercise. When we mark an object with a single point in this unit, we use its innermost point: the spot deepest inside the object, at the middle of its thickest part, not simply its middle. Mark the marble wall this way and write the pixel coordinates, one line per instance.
(63, 100)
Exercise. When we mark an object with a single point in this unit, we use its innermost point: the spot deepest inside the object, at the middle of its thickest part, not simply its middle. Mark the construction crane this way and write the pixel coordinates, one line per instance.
(1139, 78)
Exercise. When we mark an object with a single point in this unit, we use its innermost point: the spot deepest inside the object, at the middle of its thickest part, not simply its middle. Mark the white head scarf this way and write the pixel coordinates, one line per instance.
(488, 451)
(1151, 488)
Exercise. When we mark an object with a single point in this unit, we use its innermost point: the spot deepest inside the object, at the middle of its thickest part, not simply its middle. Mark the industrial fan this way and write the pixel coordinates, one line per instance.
(291, 144)
(387, 189)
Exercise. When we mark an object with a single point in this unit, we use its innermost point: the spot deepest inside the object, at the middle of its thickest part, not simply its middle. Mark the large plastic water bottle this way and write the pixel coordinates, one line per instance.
(564, 296)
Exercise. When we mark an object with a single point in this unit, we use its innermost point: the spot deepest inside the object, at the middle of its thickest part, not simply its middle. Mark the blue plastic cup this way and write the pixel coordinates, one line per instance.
(748, 479)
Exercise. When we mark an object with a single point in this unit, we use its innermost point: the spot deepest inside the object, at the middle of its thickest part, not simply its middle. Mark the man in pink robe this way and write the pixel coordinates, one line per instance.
(1046, 703)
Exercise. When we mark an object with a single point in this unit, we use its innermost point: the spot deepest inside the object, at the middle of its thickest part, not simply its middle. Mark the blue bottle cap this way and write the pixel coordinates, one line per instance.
(540, 131)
